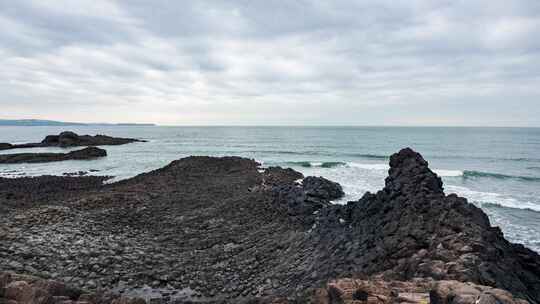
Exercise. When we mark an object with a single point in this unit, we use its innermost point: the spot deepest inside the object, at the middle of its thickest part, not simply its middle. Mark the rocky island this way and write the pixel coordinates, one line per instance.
(221, 230)
(71, 139)
(83, 154)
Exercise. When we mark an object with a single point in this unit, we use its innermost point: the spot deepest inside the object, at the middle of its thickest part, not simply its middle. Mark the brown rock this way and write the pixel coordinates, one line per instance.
(351, 291)
(453, 292)
(19, 291)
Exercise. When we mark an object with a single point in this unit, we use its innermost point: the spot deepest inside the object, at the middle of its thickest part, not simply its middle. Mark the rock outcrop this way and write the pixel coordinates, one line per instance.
(5, 146)
(221, 230)
(25, 289)
(416, 291)
(83, 154)
(70, 139)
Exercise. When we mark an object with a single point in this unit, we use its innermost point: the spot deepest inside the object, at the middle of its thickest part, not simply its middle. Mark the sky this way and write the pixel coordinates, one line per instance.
(244, 62)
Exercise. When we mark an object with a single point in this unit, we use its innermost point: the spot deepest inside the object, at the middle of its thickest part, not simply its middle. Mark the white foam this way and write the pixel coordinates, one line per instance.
(369, 166)
(448, 173)
(481, 198)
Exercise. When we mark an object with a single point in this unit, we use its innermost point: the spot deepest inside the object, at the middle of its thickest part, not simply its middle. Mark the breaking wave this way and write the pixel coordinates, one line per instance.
(474, 174)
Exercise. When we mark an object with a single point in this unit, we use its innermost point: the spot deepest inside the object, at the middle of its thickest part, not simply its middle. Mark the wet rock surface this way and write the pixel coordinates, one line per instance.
(220, 230)
(71, 139)
(83, 154)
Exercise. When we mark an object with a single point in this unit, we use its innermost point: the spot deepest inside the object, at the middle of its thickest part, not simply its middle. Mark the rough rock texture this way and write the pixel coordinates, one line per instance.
(71, 139)
(418, 291)
(452, 292)
(218, 230)
(25, 289)
(320, 187)
(412, 229)
(83, 154)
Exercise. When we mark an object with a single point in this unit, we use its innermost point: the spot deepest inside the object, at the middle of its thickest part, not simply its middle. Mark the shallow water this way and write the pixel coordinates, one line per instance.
(496, 168)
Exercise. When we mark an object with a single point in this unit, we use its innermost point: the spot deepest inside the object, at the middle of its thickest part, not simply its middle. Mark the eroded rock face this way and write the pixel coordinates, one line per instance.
(219, 230)
(83, 154)
(412, 229)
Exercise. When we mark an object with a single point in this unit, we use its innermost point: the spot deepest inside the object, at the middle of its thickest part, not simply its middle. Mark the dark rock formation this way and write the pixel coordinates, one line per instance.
(71, 139)
(216, 230)
(25, 289)
(83, 154)
(5, 146)
(322, 188)
(412, 229)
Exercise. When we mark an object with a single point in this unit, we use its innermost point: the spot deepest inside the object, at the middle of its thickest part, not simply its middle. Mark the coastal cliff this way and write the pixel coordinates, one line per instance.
(221, 230)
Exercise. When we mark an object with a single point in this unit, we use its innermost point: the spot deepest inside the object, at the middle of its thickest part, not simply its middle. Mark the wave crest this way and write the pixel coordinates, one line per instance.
(474, 174)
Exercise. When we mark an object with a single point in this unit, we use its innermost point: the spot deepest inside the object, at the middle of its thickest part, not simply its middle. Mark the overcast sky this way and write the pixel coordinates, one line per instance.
(470, 62)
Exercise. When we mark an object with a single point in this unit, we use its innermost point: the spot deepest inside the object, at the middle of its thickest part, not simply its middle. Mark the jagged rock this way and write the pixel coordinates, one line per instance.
(274, 176)
(412, 229)
(83, 154)
(320, 187)
(216, 229)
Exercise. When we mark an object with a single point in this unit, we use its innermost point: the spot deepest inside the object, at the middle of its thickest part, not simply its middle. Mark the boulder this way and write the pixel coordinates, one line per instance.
(322, 188)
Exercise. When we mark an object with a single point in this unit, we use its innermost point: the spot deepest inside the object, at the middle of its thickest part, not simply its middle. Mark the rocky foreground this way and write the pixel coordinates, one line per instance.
(70, 139)
(83, 154)
(217, 230)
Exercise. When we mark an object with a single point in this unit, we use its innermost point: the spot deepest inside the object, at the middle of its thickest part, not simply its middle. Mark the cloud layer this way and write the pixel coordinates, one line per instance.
(272, 62)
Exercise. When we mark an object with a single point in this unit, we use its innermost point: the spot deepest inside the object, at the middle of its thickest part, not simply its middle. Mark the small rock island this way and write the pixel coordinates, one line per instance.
(71, 139)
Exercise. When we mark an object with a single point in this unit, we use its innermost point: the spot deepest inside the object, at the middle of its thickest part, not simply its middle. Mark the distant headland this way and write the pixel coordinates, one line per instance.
(40, 122)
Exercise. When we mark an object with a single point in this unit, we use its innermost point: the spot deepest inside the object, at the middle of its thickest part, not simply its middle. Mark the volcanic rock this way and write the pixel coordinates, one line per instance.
(322, 188)
(218, 230)
(83, 154)
(71, 139)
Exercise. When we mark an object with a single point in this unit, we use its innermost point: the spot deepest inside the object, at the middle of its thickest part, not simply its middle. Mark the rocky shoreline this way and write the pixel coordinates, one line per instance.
(83, 154)
(217, 230)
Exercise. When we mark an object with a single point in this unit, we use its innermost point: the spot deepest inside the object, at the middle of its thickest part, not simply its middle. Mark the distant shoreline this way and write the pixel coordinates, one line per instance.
(54, 123)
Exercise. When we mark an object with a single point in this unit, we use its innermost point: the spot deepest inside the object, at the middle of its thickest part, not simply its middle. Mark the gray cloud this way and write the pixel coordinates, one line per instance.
(272, 62)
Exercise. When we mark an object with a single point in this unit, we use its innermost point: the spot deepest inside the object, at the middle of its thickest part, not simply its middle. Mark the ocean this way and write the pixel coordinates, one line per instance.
(498, 169)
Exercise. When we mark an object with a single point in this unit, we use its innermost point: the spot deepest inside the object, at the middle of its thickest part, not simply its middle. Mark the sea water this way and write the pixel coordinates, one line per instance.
(498, 169)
